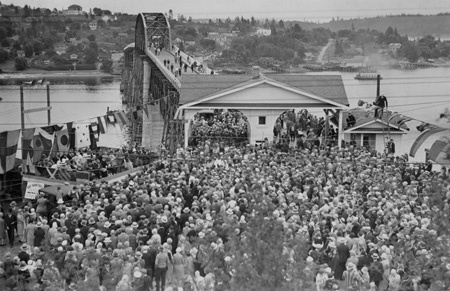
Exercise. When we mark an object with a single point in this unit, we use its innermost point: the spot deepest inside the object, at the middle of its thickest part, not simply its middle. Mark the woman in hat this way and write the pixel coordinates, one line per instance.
(124, 284)
(20, 225)
(178, 268)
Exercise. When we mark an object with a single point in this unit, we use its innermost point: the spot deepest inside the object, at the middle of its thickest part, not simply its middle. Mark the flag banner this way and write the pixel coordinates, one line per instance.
(422, 138)
(101, 124)
(121, 118)
(425, 126)
(72, 137)
(118, 120)
(62, 139)
(82, 139)
(403, 120)
(8, 148)
(63, 174)
(94, 129)
(110, 118)
(42, 142)
(436, 149)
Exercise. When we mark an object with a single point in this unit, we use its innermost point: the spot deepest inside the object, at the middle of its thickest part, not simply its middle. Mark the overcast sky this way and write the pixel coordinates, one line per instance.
(312, 10)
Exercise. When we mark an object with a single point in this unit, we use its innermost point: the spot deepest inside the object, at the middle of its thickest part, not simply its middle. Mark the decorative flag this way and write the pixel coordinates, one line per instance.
(8, 148)
(403, 120)
(421, 139)
(436, 149)
(425, 126)
(82, 139)
(121, 118)
(110, 118)
(42, 142)
(62, 140)
(27, 150)
(94, 133)
(72, 137)
(101, 120)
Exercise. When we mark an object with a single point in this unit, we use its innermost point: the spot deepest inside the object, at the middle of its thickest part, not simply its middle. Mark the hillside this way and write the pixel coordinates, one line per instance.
(413, 26)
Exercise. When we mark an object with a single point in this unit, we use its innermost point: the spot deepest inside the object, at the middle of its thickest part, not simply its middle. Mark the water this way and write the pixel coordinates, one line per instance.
(421, 94)
(70, 100)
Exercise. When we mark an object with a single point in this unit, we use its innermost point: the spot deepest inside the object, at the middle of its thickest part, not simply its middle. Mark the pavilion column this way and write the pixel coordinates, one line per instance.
(187, 129)
(341, 128)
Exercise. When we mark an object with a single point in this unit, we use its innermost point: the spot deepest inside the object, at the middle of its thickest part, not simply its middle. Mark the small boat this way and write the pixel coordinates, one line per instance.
(367, 76)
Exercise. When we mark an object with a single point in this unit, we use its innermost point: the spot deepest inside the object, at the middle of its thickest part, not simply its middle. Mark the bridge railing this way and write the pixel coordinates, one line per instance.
(184, 57)
(172, 79)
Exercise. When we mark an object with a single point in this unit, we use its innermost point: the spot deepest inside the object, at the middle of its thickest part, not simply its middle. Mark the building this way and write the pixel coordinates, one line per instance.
(93, 25)
(263, 32)
(73, 10)
(219, 38)
(21, 53)
(372, 132)
(394, 47)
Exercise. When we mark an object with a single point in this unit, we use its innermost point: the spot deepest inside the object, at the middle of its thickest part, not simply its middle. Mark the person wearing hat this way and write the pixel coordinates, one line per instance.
(161, 264)
(376, 270)
(178, 268)
(343, 253)
(23, 254)
(39, 235)
(351, 276)
(11, 225)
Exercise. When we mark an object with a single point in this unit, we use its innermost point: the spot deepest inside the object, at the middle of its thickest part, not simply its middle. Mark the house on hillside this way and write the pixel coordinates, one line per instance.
(107, 18)
(73, 57)
(73, 10)
(217, 37)
(394, 47)
(103, 56)
(93, 25)
(60, 48)
(21, 53)
(371, 132)
(263, 32)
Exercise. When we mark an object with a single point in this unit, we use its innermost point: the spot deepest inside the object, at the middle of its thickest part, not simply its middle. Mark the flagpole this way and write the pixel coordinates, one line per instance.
(48, 105)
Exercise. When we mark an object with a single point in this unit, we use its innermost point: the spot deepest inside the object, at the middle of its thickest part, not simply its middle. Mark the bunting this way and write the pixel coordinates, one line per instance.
(101, 120)
(426, 126)
(42, 142)
(8, 148)
(421, 139)
(27, 150)
(62, 139)
(82, 138)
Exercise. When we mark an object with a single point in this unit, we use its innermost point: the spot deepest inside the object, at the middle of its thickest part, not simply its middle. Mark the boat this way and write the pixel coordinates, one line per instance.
(367, 76)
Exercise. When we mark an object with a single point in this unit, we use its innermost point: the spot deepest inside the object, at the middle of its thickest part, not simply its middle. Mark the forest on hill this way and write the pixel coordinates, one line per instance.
(411, 25)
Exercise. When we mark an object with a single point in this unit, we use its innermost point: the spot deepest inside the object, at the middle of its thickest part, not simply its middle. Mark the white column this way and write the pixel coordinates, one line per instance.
(187, 129)
(341, 128)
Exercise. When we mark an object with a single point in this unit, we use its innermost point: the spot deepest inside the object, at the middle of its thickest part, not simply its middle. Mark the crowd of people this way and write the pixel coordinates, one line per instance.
(368, 221)
(221, 126)
(99, 163)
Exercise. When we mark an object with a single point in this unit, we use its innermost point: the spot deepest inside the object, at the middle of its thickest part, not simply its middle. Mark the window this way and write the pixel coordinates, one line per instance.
(262, 120)
(369, 140)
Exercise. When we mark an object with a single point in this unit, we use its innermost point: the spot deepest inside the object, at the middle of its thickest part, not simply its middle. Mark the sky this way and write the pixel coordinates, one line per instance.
(309, 10)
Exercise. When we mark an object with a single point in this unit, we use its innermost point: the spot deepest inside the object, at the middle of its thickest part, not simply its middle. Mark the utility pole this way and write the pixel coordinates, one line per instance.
(23, 111)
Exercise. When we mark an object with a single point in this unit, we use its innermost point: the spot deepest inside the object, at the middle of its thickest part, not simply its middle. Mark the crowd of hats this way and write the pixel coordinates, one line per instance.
(352, 197)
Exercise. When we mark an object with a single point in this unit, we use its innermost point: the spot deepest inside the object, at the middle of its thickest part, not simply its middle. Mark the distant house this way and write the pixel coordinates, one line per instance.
(189, 42)
(309, 56)
(107, 18)
(178, 40)
(104, 56)
(73, 57)
(60, 49)
(394, 47)
(217, 37)
(93, 25)
(122, 36)
(21, 53)
(263, 32)
(73, 10)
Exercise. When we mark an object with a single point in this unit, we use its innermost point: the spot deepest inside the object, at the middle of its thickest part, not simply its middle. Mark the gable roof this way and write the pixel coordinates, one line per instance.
(196, 87)
(362, 120)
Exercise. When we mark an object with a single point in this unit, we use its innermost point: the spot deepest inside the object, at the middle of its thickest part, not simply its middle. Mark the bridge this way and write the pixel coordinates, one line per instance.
(170, 87)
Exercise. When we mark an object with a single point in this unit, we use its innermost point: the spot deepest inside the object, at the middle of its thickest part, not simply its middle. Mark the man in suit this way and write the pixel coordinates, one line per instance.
(343, 253)
(11, 225)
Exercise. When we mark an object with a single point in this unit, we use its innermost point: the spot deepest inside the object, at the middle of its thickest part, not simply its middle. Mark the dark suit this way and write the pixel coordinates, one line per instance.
(343, 253)
(11, 225)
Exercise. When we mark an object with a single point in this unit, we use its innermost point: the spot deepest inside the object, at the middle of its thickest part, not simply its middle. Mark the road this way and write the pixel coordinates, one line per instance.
(324, 49)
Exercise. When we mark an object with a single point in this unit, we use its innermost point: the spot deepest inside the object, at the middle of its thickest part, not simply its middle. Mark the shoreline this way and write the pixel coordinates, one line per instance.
(37, 74)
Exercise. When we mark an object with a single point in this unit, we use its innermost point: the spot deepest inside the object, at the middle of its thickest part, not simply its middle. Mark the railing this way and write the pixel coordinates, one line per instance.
(169, 76)
(184, 56)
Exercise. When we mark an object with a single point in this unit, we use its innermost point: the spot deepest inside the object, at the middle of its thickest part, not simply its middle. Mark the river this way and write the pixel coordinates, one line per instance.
(422, 94)
(70, 101)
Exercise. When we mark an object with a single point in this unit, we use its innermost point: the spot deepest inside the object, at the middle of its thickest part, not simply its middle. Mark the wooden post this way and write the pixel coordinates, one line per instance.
(48, 105)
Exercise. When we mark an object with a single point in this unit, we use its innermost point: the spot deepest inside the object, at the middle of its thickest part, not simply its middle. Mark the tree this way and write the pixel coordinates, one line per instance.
(170, 14)
(91, 56)
(3, 33)
(50, 53)
(28, 49)
(107, 65)
(339, 49)
(5, 43)
(281, 24)
(38, 47)
(20, 63)
(296, 61)
(91, 37)
(273, 30)
(97, 11)
(4, 56)
(208, 44)
(410, 51)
